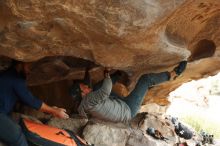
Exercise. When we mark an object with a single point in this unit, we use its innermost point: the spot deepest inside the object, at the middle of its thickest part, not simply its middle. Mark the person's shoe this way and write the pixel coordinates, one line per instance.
(150, 131)
(180, 68)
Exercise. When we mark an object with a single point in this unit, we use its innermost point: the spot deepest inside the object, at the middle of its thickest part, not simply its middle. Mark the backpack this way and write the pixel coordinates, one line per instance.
(44, 135)
(183, 131)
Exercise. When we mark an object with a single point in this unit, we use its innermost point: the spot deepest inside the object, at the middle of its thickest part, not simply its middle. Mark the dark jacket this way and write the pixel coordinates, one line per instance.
(13, 88)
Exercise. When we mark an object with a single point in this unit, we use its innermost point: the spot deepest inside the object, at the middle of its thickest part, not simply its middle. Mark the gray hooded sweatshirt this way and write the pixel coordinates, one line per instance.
(102, 106)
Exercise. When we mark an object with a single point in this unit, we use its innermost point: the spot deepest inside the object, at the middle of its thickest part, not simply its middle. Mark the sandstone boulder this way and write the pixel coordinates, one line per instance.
(154, 108)
(106, 134)
(144, 121)
(145, 36)
(73, 124)
(137, 138)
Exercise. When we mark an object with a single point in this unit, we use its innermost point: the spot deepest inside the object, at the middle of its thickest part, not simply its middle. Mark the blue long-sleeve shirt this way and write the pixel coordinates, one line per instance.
(13, 88)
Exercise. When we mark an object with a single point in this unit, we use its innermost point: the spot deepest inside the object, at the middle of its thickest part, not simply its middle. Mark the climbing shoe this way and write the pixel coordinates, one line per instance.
(180, 68)
(150, 131)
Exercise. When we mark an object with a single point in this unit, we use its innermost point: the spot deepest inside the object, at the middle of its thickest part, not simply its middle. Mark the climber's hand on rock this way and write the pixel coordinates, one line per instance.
(106, 72)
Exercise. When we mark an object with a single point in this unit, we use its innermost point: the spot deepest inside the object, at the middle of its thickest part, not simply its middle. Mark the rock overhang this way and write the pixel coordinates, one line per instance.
(135, 36)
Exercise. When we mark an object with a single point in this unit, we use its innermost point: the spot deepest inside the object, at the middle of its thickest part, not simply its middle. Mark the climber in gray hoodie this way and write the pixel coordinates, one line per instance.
(101, 103)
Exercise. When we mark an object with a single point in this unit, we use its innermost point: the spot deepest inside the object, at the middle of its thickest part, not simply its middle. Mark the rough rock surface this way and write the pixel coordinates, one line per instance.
(118, 134)
(158, 123)
(106, 134)
(155, 120)
(137, 138)
(63, 37)
(109, 33)
(154, 108)
(73, 124)
(17, 116)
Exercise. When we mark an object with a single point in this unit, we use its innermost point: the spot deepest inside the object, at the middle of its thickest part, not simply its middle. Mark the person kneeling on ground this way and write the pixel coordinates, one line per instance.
(13, 88)
(102, 103)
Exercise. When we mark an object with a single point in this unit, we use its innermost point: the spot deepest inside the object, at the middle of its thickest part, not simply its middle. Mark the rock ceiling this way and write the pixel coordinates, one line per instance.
(62, 37)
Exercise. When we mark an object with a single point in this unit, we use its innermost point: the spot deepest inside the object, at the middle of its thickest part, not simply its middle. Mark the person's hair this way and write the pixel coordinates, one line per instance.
(75, 90)
(14, 63)
(21, 72)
